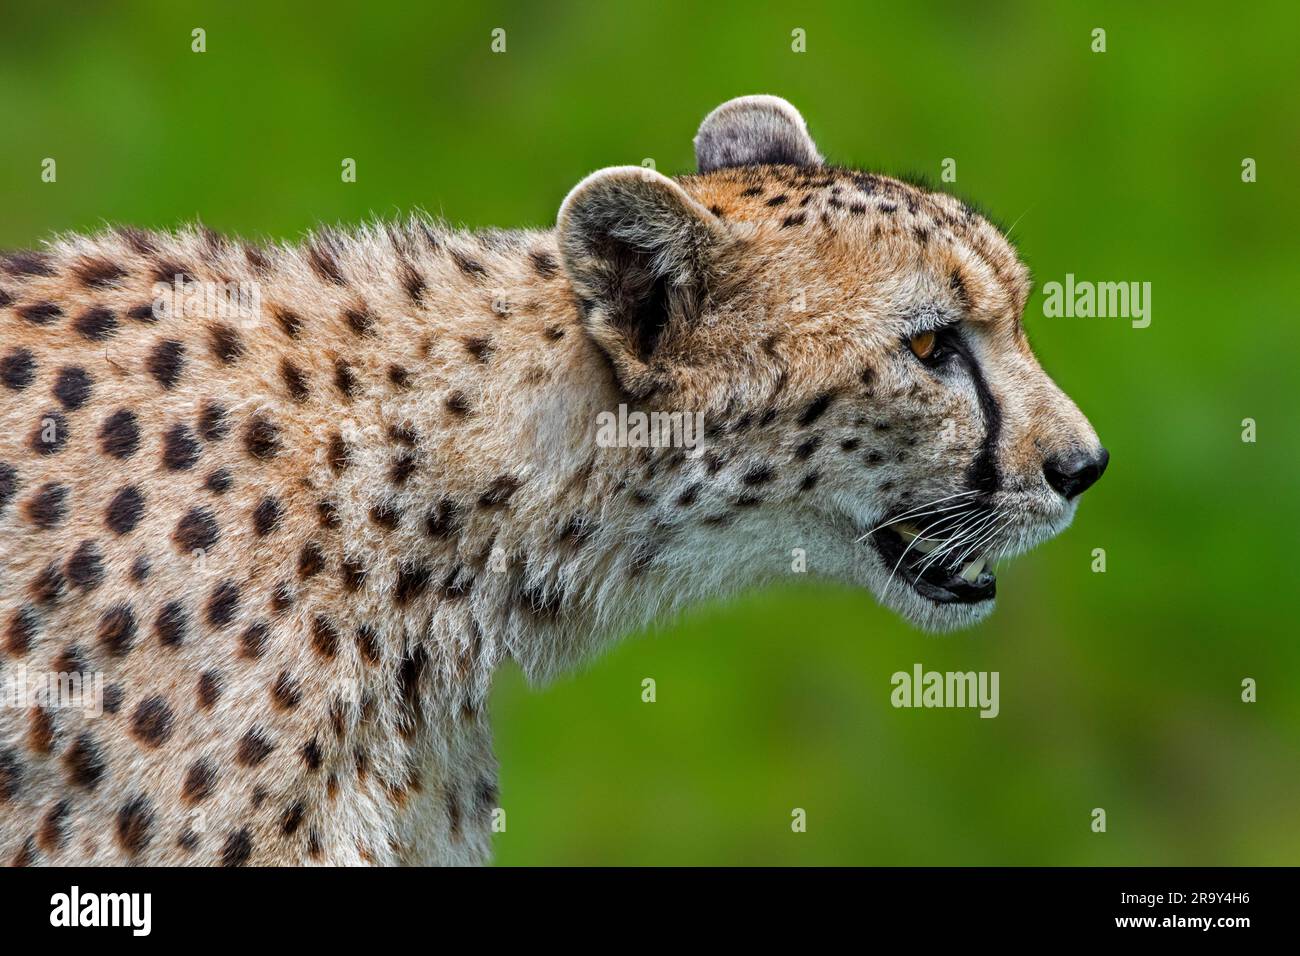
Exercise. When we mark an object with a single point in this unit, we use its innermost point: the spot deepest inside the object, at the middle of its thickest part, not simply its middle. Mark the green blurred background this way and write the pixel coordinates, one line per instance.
(1119, 690)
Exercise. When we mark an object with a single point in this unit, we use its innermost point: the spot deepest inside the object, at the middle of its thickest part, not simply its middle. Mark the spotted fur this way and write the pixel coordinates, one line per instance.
(295, 547)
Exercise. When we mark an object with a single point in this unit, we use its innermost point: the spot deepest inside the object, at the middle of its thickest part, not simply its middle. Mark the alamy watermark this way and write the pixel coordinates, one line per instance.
(1102, 300)
(637, 429)
(210, 300)
(922, 688)
(70, 690)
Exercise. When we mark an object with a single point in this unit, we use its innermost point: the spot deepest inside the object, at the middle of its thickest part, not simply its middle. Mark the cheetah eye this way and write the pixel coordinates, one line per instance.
(922, 344)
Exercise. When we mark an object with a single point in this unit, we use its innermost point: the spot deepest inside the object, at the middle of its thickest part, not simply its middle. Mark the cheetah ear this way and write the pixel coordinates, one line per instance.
(754, 130)
(639, 251)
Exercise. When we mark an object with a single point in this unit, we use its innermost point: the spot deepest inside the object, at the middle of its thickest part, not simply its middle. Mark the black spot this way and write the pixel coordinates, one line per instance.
(50, 434)
(262, 438)
(354, 575)
(324, 637)
(285, 692)
(140, 241)
(403, 434)
(223, 603)
(226, 344)
(753, 191)
(499, 492)
(96, 324)
(689, 496)
(809, 481)
(321, 258)
(180, 448)
(8, 484)
(402, 468)
(209, 689)
(200, 781)
(468, 265)
(777, 200)
(310, 560)
(849, 444)
(218, 482)
(28, 263)
(253, 748)
(345, 380)
(117, 629)
(289, 322)
(135, 824)
(212, 422)
(85, 762)
(124, 510)
(171, 624)
(399, 376)
(815, 409)
(386, 515)
(48, 506)
(807, 447)
(412, 282)
(18, 369)
(98, 273)
(252, 643)
(48, 585)
(113, 697)
(311, 754)
(51, 834)
(759, 475)
(796, 219)
(958, 286)
(142, 313)
(40, 313)
(458, 404)
(292, 818)
(152, 722)
(72, 387)
(282, 599)
(543, 263)
(139, 569)
(410, 670)
(196, 531)
(295, 382)
(412, 581)
(85, 569)
(266, 516)
(238, 848)
(359, 321)
(479, 347)
(579, 529)
(444, 520)
(368, 643)
(21, 630)
(166, 361)
(328, 514)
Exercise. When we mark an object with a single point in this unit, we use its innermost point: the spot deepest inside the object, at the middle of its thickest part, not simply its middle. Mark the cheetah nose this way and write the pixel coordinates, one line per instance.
(1074, 473)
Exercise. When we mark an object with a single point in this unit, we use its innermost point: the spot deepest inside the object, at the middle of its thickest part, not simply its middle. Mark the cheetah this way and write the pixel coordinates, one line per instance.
(258, 566)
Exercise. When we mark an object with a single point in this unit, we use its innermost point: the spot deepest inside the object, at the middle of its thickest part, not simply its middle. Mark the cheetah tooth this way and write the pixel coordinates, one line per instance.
(973, 570)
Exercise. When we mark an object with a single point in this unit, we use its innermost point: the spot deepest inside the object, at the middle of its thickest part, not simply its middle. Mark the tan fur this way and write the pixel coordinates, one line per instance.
(480, 365)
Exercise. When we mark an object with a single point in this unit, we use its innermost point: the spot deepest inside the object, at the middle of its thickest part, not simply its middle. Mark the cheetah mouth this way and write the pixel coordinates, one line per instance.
(912, 559)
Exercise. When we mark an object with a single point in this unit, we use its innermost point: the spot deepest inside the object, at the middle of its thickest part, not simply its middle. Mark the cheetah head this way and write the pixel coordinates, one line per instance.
(855, 343)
